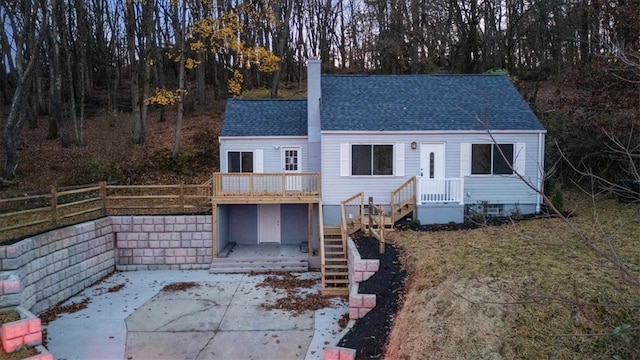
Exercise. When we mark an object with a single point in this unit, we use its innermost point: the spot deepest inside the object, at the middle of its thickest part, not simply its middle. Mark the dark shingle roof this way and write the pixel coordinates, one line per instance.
(423, 102)
(391, 103)
(265, 117)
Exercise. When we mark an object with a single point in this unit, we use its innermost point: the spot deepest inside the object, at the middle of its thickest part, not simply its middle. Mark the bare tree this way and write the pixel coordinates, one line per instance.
(138, 42)
(283, 9)
(57, 126)
(28, 35)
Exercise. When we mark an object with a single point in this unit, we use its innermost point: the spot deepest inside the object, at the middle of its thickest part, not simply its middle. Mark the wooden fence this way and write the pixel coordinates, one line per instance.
(33, 214)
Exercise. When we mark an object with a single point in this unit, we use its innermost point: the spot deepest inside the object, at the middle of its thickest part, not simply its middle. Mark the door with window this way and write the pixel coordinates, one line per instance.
(291, 165)
(432, 169)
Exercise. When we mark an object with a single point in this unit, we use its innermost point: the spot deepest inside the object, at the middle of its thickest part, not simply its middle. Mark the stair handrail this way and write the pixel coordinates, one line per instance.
(207, 189)
(404, 194)
(377, 217)
(321, 234)
(355, 200)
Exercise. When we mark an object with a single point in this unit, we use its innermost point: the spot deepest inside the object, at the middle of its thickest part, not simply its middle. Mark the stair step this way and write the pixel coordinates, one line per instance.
(335, 281)
(339, 291)
(334, 266)
(333, 236)
(336, 274)
(231, 265)
(249, 269)
(253, 260)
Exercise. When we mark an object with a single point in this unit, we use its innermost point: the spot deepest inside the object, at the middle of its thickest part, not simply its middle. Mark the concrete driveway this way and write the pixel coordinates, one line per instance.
(129, 317)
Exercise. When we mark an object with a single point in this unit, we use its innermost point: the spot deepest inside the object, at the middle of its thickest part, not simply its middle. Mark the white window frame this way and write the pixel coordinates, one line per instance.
(517, 165)
(398, 159)
(258, 162)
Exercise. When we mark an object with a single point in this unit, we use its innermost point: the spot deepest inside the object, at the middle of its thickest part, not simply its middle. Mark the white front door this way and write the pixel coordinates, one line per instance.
(291, 165)
(432, 168)
(269, 223)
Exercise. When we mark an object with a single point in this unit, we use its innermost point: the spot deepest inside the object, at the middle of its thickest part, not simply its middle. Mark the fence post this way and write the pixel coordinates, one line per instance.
(103, 197)
(381, 230)
(370, 216)
(182, 197)
(54, 205)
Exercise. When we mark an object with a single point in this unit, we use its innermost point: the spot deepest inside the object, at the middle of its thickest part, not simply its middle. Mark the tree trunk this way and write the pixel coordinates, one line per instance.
(56, 122)
(23, 85)
(137, 132)
(282, 10)
(178, 21)
(179, 116)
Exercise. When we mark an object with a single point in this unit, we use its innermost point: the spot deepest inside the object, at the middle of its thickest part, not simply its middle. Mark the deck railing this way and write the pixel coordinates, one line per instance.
(264, 184)
(440, 190)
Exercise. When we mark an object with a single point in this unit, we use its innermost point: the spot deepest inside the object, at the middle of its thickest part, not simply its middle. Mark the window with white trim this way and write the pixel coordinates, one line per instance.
(492, 159)
(372, 159)
(240, 161)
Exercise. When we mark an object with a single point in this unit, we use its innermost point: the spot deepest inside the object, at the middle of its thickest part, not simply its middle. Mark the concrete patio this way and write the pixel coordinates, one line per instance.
(222, 318)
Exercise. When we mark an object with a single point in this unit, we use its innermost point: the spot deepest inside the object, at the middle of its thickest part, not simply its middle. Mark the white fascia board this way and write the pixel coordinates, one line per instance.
(431, 132)
(244, 138)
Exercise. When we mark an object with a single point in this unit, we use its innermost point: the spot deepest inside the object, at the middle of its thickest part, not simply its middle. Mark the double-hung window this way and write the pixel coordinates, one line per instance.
(372, 159)
(240, 161)
(492, 159)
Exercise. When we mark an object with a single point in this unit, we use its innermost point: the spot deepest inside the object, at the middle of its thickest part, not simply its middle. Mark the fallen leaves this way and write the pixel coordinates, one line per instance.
(53, 313)
(295, 300)
(180, 286)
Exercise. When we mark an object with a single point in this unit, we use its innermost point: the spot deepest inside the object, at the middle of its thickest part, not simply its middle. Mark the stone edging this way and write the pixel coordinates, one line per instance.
(26, 331)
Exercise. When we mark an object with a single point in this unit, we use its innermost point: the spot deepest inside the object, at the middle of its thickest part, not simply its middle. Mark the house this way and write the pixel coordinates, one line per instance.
(459, 143)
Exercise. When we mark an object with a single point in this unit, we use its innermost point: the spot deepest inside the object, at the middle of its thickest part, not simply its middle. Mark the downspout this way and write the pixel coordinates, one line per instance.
(540, 171)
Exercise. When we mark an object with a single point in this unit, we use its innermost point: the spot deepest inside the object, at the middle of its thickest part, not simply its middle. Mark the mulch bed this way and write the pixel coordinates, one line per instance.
(369, 334)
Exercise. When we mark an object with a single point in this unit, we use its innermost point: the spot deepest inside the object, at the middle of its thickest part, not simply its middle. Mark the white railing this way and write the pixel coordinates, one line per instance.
(440, 190)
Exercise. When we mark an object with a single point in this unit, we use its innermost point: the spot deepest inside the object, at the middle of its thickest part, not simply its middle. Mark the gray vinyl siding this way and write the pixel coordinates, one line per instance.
(336, 188)
(294, 219)
(223, 226)
(495, 189)
(271, 149)
(239, 223)
(243, 224)
(501, 189)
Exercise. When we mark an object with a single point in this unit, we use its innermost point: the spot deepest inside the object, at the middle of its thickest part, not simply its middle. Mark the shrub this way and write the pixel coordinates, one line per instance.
(557, 200)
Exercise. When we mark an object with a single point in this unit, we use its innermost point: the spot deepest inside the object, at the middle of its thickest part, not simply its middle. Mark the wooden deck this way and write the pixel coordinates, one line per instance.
(262, 188)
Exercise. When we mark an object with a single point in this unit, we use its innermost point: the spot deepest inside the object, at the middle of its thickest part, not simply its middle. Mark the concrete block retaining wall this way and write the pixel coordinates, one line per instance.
(339, 353)
(43, 270)
(163, 242)
(359, 270)
(359, 304)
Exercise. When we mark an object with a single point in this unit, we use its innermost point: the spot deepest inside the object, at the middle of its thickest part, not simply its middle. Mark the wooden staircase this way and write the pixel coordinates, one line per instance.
(333, 245)
(335, 274)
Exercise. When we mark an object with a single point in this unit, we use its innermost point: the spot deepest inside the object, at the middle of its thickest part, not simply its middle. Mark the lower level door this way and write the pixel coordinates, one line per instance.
(269, 223)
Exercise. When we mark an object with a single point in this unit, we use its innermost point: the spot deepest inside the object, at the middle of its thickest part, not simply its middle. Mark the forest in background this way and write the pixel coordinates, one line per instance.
(146, 62)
